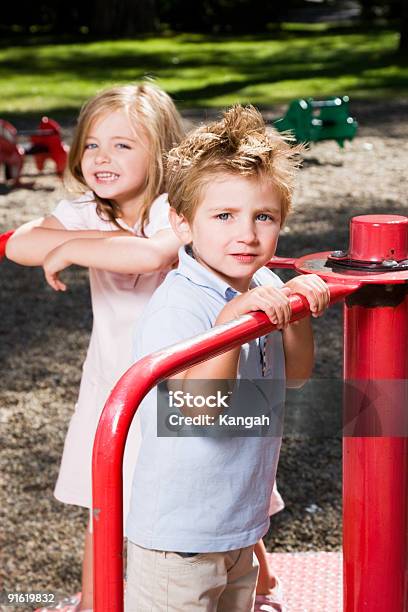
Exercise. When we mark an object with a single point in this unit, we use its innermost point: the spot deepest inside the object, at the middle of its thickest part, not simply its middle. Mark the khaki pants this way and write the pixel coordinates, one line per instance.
(160, 581)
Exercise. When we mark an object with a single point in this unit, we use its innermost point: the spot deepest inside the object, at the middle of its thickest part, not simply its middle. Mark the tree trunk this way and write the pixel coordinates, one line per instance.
(367, 9)
(124, 17)
(403, 43)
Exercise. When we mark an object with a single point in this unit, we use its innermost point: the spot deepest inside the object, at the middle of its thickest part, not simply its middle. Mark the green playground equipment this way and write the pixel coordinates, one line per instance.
(313, 120)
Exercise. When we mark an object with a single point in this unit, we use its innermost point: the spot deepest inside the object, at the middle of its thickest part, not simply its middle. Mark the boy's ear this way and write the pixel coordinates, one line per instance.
(181, 226)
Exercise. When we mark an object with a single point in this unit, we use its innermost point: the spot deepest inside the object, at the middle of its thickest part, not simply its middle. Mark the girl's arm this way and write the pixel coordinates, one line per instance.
(31, 242)
(298, 341)
(124, 254)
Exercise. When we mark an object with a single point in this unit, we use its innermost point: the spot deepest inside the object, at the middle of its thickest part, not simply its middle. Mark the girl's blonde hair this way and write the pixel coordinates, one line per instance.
(237, 144)
(147, 107)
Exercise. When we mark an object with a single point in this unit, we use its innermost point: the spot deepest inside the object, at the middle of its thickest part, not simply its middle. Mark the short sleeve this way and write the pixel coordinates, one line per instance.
(159, 216)
(73, 214)
(165, 327)
(265, 276)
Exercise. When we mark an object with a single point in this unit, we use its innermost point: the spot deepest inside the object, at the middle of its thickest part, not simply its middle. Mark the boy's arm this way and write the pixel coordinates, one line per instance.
(298, 341)
(298, 346)
(31, 242)
(297, 337)
(274, 302)
(223, 369)
(122, 254)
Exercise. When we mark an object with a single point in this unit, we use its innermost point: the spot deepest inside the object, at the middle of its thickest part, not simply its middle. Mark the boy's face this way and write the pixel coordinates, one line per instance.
(235, 229)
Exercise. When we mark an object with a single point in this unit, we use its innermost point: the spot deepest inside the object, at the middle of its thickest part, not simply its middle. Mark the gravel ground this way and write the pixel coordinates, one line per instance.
(44, 337)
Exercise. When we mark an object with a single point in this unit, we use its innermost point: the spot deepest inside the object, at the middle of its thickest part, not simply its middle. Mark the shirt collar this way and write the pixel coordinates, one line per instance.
(195, 272)
(127, 227)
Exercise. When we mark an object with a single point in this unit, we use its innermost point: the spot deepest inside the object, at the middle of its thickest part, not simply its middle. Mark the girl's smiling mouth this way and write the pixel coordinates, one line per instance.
(106, 177)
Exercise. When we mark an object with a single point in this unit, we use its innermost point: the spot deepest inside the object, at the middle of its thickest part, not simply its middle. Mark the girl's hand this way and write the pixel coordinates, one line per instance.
(55, 262)
(272, 301)
(314, 289)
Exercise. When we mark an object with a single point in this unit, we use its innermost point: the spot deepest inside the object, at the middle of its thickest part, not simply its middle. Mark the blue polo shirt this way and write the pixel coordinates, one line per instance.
(202, 494)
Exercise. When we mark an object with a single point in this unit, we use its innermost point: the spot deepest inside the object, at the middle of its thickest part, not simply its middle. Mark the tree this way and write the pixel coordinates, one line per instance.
(114, 17)
(403, 43)
(393, 10)
(367, 9)
(220, 16)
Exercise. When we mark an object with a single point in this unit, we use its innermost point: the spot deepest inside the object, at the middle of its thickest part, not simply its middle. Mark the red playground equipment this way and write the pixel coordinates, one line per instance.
(372, 277)
(44, 143)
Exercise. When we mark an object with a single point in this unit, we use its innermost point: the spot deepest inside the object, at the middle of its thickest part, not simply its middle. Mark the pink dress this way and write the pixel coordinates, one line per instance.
(117, 302)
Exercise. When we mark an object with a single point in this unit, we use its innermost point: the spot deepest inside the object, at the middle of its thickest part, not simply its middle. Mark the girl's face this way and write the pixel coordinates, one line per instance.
(115, 159)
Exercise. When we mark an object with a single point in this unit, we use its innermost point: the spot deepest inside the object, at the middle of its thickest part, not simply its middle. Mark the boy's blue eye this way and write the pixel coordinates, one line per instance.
(90, 145)
(223, 216)
(264, 217)
(122, 145)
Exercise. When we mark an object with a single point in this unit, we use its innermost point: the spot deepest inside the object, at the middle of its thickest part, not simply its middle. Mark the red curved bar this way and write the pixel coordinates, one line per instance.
(3, 241)
(116, 419)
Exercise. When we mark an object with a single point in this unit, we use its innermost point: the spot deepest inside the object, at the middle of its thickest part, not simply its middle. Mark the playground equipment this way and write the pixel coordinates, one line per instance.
(313, 120)
(372, 276)
(44, 143)
(115, 422)
(3, 242)
(375, 447)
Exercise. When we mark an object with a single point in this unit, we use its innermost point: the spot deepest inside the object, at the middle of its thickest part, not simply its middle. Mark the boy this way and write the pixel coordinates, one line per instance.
(200, 504)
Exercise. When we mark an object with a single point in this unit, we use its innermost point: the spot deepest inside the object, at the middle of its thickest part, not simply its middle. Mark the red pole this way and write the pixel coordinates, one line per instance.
(375, 460)
(115, 422)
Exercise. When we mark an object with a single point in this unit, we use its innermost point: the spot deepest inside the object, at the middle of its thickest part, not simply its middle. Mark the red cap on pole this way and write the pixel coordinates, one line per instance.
(376, 238)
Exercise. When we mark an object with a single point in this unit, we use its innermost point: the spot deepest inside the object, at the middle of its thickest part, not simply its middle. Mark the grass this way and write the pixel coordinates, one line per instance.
(42, 76)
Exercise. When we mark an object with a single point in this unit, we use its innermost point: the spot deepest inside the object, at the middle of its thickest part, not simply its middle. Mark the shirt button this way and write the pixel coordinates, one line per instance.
(230, 294)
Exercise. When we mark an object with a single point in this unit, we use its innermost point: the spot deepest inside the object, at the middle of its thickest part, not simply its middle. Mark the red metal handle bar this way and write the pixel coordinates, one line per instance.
(116, 419)
(3, 241)
(282, 262)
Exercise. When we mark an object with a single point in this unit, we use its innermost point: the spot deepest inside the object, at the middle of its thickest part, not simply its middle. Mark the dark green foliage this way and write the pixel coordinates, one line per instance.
(219, 15)
(65, 16)
(130, 17)
(122, 17)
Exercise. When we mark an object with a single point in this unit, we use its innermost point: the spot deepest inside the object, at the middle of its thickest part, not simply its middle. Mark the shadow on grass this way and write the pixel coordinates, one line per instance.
(312, 56)
(294, 62)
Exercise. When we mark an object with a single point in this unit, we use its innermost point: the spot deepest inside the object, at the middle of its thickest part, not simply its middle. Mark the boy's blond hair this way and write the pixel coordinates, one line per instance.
(238, 144)
(149, 108)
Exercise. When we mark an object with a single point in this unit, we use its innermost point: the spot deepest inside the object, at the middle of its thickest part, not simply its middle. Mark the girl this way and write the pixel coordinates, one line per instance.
(116, 159)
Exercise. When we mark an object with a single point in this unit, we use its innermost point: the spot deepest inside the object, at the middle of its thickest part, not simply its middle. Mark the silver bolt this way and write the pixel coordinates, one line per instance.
(338, 254)
(390, 263)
